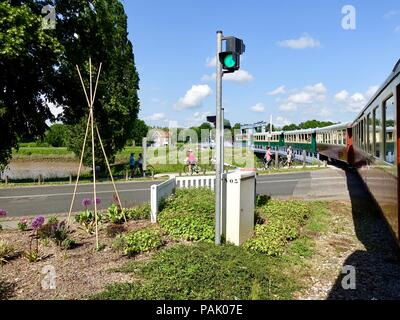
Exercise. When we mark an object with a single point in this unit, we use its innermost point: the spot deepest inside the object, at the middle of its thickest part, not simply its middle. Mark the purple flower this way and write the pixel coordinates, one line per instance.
(86, 202)
(3, 213)
(97, 200)
(24, 221)
(37, 222)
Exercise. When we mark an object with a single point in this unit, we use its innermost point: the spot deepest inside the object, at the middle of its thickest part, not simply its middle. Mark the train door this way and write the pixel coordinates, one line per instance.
(349, 145)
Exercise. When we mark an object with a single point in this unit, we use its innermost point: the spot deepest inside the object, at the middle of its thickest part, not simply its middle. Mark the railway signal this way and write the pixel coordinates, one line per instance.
(230, 59)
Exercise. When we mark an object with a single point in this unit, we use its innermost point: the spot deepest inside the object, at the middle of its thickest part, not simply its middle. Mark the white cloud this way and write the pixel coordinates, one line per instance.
(309, 95)
(325, 112)
(288, 106)
(240, 76)
(371, 91)
(258, 108)
(156, 117)
(281, 121)
(193, 97)
(342, 95)
(305, 41)
(300, 98)
(390, 14)
(356, 101)
(318, 88)
(197, 119)
(279, 90)
(211, 62)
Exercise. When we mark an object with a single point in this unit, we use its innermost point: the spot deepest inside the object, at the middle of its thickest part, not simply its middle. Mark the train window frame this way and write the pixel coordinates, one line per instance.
(377, 145)
(384, 129)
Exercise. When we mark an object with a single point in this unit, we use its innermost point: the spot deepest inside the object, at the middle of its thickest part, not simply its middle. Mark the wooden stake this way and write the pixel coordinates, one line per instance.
(80, 168)
(109, 170)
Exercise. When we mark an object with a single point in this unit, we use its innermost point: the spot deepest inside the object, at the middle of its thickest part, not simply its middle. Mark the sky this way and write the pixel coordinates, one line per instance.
(304, 59)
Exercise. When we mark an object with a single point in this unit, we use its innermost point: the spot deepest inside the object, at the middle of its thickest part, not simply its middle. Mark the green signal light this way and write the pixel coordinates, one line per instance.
(229, 61)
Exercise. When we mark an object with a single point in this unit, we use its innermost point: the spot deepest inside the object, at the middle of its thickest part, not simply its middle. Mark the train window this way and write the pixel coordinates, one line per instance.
(344, 137)
(369, 133)
(362, 134)
(390, 113)
(339, 137)
(377, 131)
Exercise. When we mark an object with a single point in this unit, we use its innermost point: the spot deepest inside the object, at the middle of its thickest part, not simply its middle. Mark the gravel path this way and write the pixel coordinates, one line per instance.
(357, 237)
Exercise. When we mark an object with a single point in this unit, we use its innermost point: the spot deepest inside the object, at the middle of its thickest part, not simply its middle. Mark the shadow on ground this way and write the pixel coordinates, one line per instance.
(6, 290)
(378, 267)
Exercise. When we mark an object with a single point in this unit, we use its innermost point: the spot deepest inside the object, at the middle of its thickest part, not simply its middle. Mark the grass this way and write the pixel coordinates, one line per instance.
(203, 271)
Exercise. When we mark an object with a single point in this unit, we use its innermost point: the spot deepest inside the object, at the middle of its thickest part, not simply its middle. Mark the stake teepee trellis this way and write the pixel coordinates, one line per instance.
(92, 125)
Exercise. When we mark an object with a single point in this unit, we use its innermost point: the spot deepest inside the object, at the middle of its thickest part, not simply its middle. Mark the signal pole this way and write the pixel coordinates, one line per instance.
(219, 124)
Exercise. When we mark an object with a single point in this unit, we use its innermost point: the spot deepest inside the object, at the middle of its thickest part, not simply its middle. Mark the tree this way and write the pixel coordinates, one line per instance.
(310, 124)
(140, 130)
(28, 54)
(56, 135)
(97, 29)
(290, 127)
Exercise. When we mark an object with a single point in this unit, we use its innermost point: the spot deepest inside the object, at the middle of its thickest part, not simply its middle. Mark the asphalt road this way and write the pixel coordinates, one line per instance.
(329, 184)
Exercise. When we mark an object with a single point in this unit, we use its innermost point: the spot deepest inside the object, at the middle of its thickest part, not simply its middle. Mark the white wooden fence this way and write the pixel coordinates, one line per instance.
(167, 188)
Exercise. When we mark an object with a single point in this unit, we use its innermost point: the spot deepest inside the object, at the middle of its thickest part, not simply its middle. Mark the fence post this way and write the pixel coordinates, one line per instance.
(126, 175)
(6, 179)
(304, 158)
(276, 159)
(325, 163)
(70, 178)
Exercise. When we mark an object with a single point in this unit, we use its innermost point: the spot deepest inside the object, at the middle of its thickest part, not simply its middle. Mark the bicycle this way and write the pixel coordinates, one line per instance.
(195, 169)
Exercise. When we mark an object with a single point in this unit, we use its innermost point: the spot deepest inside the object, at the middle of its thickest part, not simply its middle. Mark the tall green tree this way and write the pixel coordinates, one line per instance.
(28, 54)
(97, 29)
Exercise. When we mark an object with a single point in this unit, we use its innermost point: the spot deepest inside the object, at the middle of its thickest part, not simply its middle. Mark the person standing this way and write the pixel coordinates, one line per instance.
(140, 164)
(132, 163)
(289, 155)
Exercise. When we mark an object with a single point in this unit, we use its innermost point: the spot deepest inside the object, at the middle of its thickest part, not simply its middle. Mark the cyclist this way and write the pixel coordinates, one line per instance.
(190, 160)
(267, 158)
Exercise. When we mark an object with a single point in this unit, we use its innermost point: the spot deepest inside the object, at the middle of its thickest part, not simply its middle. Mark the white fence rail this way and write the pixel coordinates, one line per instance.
(196, 182)
(158, 193)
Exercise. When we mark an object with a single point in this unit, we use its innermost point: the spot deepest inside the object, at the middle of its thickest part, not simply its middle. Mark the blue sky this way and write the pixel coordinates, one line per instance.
(299, 63)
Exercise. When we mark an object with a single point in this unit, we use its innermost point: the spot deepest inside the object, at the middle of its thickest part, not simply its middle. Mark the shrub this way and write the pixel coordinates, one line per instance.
(115, 214)
(142, 240)
(7, 252)
(59, 232)
(87, 220)
(53, 220)
(282, 223)
(139, 213)
(189, 215)
(262, 200)
(56, 135)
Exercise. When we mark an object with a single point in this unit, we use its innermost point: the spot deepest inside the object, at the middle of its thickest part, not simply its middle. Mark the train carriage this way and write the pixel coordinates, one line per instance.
(301, 140)
(374, 147)
(263, 140)
(332, 141)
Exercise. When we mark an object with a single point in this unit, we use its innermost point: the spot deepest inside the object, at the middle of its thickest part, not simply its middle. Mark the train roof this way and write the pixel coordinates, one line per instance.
(337, 126)
(395, 72)
(301, 131)
(273, 133)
